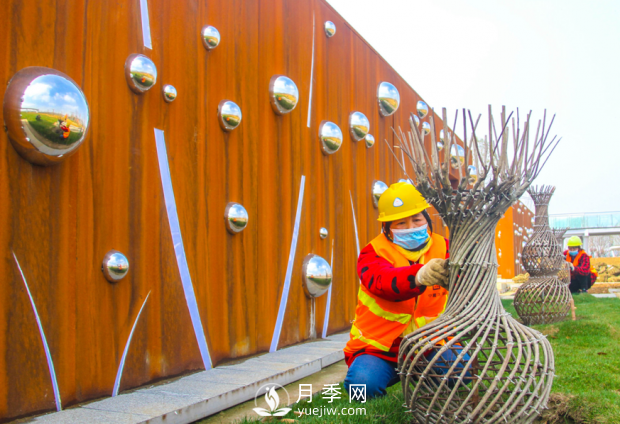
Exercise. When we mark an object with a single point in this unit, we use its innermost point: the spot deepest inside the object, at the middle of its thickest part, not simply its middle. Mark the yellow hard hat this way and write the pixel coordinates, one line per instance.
(399, 201)
(574, 241)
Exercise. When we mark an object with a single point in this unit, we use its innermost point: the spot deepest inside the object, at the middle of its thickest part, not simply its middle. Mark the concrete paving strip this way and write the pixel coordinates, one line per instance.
(205, 393)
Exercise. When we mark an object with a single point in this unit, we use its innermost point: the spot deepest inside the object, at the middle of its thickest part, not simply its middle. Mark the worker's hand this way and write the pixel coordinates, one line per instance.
(434, 272)
(572, 267)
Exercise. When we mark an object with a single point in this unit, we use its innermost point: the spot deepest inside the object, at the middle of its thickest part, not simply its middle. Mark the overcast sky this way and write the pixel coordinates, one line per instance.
(561, 55)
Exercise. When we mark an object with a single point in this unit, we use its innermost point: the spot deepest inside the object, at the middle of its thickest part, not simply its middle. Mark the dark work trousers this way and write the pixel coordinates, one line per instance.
(579, 283)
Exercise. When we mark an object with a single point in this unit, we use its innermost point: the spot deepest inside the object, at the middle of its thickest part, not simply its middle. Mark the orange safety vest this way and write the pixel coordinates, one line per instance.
(577, 257)
(378, 322)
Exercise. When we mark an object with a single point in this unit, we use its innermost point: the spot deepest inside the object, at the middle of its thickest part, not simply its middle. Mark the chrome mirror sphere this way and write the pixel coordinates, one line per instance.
(388, 98)
(210, 37)
(316, 275)
(46, 115)
(140, 72)
(330, 136)
(442, 135)
(370, 140)
(330, 29)
(358, 125)
(229, 115)
(235, 217)
(473, 174)
(422, 109)
(426, 127)
(378, 187)
(457, 156)
(170, 93)
(440, 146)
(414, 119)
(323, 232)
(283, 94)
(115, 266)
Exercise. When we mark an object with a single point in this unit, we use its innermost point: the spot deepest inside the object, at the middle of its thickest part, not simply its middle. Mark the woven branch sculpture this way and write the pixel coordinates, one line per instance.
(544, 298)
(502, 371)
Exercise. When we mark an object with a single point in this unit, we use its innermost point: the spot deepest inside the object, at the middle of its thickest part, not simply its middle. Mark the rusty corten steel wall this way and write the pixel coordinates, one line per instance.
(60, 221)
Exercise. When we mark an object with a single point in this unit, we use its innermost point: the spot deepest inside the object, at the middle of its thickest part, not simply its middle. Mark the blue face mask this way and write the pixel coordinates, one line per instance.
(411, 238)
(573, 253)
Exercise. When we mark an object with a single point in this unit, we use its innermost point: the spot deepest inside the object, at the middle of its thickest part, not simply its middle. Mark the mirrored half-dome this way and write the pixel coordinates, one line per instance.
(46, 115)
(422, 109)
(229, 115)
(316, 275)
(378, 187)
(115, 266)
(473, 174)
(330, 137)
(235, 218)
(210, 37)
(370, 140)
(140, 72)
(359, 125)
(170, 93)
(323, 233)
(283, 94)
(330, 29)
(426, 127)
(388, 98)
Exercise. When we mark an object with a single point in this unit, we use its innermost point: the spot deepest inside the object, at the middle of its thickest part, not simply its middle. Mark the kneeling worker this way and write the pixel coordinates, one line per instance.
(404, 279)
(579, 266)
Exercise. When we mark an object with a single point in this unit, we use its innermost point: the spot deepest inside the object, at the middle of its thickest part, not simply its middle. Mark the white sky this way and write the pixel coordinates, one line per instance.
(562, 55)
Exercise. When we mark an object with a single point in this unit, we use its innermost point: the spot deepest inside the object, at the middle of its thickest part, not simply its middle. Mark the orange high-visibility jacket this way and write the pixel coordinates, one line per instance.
(379, 322)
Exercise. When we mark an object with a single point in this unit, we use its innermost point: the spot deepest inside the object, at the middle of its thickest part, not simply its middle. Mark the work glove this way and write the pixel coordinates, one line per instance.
(572, 267)
(435, 272)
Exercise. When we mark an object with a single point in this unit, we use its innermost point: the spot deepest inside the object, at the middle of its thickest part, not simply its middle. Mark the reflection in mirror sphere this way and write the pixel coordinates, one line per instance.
(422, 109)
(330, 136)
(115, 266)
(457, 156)
(330, 29)
(229, 115)
(473, 174)
(170, 93)
(388, 98)
(210, 37)
(323, 232)
(46, 115)
(378, 187)
(316, 275)
(283, 94)
(370, 140)
(140, 72)
(426, 127)
(358, 125)
(235, 217)
(440, 146)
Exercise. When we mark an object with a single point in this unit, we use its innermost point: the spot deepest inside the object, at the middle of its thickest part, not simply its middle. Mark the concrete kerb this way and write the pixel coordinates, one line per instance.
(205, 393)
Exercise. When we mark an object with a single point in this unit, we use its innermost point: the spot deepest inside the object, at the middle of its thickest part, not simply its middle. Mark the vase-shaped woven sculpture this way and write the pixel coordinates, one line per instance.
(544, 298)
(475, 363)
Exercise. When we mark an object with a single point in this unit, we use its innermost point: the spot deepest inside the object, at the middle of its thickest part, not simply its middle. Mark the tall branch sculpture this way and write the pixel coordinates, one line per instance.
(502, 370)
(544, 298)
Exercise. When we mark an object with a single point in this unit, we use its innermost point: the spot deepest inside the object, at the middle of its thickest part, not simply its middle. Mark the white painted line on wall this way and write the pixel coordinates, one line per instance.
(119, 373)
(329, 296)
(289, 270)
(311, 74)
(48, 355)
(357, 240)
(146, 25)
(179, 250)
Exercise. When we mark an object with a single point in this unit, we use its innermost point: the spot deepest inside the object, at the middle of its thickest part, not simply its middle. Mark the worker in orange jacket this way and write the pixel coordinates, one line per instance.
(404, 280)
(579, 262)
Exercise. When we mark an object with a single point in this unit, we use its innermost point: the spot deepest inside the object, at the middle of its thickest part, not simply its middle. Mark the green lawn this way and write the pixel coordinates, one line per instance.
(586, 388)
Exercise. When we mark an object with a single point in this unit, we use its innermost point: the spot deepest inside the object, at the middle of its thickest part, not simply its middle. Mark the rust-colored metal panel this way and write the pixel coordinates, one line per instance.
(60, 221)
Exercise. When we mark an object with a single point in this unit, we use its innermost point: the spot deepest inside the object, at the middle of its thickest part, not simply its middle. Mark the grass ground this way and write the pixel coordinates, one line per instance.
(586, 388)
